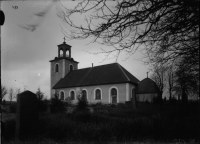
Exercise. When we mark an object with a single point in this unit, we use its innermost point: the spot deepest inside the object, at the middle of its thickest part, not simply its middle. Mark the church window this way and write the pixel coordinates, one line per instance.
(57, 68)
(71, 67)
(61, 53)
(113, 92)
(84, 94)
(62, 95)
(98, 94)
(114, 96)
(72, 95)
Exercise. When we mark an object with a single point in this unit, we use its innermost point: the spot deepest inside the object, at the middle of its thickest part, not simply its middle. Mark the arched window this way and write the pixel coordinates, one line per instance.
(71, 67)
(62, 95)
(98, 94)
(72, 95)
(57, 68)
(114, 96)
(84, 94)
(61, 53)
(67, 53)
(113, 92)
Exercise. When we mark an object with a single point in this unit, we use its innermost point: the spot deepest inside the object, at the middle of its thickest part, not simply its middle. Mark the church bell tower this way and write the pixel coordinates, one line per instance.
(61, 65)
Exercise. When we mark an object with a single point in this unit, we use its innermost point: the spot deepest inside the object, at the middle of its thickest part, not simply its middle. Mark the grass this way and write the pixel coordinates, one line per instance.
(49, 141)
(120, 124)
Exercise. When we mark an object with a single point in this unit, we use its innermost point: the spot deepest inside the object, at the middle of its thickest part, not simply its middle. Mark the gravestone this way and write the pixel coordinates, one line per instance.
(27, 115)
(133, 99)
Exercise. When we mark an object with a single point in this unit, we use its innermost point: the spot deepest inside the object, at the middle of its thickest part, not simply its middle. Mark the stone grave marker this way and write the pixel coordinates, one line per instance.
(27, 115)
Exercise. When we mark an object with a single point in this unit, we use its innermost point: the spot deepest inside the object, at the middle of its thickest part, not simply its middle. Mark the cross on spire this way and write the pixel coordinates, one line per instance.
(147, 74)
(64, 39)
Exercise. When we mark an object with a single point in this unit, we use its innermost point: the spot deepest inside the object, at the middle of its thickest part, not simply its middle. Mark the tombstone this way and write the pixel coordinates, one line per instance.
(27, 115)
(133, 99)
(91, 110)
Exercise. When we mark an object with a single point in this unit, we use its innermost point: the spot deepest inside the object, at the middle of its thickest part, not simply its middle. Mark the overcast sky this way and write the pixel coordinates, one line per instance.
(25, 54)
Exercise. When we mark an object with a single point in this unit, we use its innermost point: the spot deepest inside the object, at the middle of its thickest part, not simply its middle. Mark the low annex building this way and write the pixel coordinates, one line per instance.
(109, 83)
(147, 90)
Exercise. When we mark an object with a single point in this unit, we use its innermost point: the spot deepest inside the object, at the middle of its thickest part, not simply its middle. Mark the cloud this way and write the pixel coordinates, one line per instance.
(37, 18)
(29, 27)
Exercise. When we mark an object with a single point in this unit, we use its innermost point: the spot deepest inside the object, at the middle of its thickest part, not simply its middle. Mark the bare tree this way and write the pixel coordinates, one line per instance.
(167, 32)
(11, 95)
(3, 91)
(40, 94)
(170, 78)
(186, 82)
(17, 92)
(128, 25)
(159, 76)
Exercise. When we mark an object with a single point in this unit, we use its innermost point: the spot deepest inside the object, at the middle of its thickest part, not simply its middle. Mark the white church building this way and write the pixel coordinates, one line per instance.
(109, 83)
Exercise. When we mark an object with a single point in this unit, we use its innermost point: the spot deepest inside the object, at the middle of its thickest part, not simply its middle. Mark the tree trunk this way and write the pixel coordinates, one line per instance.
(184, 97)
(160, 99)
(170, 94)
(178, 98)
(134, 103)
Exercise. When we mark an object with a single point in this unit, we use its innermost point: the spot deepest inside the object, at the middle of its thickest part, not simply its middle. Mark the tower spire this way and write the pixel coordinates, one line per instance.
(147, 74)
(64, 39)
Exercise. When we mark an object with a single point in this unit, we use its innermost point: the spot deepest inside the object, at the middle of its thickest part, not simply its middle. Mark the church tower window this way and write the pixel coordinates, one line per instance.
(57, 68)
(71, 67)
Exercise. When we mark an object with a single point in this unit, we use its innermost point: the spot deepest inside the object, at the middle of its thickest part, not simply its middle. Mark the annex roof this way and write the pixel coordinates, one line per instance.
(147, 85)
(99, 75)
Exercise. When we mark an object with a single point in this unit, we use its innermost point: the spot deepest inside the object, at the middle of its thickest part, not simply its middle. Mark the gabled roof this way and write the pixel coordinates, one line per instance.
(147, 85)
(99, 75)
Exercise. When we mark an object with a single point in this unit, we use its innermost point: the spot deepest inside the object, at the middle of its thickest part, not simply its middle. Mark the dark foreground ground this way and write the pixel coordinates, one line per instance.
(167, 124)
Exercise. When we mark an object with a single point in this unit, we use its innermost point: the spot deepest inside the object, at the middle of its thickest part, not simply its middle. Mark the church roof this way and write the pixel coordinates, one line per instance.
(147, 85)
(99, 75)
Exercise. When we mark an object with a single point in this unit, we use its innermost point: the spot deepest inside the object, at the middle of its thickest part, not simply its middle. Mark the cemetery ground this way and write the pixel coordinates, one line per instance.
(150, 123)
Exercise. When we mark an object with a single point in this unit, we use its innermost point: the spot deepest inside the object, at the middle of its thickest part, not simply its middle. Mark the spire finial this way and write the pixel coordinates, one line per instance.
(64, 40)
(147, 74)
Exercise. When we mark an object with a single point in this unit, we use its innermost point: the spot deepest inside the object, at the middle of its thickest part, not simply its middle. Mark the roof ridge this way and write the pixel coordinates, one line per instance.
(123, 71)
(96, 66)
(104, 65)
(82, 68)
